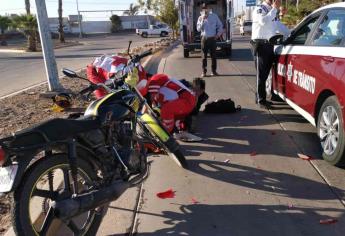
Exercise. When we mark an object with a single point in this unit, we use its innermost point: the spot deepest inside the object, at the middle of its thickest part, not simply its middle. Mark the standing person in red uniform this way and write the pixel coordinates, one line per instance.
(175, 101)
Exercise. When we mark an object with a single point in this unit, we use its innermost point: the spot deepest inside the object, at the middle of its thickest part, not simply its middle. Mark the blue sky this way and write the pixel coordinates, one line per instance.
(70, 7)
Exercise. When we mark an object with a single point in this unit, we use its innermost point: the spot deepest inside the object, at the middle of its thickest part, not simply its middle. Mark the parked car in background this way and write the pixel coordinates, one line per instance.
(310, 76)
(246, 28)
(162, 31)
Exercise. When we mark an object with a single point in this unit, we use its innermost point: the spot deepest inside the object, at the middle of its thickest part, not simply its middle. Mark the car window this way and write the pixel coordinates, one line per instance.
(302, 34)
(331, 31)
(155, 27)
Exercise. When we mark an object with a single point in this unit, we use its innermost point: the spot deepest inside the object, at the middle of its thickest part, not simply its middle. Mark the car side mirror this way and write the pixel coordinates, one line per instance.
(276, 39)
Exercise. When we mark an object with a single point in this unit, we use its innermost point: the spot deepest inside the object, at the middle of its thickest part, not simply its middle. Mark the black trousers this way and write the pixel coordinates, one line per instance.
(209, 45)
(265, 54)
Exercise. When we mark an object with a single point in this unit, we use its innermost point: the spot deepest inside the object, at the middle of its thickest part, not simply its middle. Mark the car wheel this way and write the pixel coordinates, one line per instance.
(164, 34)
(330, 129)
(144, 35)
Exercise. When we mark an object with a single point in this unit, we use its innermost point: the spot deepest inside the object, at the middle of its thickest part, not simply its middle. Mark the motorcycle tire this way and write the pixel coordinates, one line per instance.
(22, 222)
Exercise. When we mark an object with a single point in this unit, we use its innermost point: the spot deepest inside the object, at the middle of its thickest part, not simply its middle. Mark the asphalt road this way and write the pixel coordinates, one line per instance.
(271, 193)
(22, 70)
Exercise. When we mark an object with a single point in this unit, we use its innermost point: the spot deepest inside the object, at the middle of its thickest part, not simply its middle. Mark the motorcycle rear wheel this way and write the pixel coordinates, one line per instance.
(31, 200)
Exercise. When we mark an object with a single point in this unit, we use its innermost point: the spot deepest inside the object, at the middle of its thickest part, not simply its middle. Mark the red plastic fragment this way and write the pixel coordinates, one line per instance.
(167, 194)
(253, 153)
(194, 201)
(328, 221)
(304, 157)
(273, 133)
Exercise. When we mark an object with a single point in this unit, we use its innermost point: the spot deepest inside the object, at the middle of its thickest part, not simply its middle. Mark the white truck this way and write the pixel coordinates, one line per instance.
(161, 30)
(189, 12)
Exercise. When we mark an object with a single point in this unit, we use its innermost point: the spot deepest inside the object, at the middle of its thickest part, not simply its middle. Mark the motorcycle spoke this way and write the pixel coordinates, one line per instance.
(72, 226)
(47, 222)
(45, 193)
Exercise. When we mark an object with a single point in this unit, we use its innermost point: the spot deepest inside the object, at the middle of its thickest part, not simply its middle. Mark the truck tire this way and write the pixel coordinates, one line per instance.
(186, 53)
(330, 129)
(228, 51)
(144, 35)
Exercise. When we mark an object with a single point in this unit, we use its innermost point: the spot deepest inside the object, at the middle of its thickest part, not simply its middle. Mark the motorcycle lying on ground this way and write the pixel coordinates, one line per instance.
(64, 171)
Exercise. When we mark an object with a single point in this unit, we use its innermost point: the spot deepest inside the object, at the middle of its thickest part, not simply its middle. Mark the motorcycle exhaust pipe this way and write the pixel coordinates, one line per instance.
(75, 206)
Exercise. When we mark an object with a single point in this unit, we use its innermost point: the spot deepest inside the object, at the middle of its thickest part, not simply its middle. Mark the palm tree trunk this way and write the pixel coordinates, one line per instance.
(27, 7)
(61, 32)
(32, 42)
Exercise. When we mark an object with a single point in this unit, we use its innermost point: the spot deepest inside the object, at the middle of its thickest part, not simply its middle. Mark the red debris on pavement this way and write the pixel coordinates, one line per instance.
(304, 157)
(167, 194)
(328, 221)
(273, 133)
(194, 201)
(252, 154)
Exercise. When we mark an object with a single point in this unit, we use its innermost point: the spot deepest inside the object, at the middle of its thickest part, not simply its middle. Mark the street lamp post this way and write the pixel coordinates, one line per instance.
(47, 47)
(79, 21)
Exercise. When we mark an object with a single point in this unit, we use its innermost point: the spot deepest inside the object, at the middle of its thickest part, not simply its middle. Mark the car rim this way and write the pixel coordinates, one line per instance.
(329, 130)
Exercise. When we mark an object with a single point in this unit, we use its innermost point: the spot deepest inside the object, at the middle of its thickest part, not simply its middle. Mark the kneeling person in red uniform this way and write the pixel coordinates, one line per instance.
(175, 100)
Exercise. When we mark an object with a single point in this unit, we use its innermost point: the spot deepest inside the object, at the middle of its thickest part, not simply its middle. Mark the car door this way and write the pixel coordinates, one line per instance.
(156, 30)
(314, 69)
(324, 55)
(290, 55)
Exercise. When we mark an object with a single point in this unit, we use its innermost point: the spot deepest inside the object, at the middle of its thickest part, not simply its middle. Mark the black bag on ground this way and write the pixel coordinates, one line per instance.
(222, 106)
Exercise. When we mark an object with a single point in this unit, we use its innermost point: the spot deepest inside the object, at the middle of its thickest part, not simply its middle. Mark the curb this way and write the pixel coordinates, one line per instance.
(13, 50)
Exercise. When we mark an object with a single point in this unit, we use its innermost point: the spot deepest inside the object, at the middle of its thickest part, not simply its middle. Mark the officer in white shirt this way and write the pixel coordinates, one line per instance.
(265, 17)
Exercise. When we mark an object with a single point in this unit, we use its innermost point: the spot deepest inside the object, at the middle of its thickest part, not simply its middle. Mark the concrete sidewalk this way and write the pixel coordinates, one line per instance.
(246, 177)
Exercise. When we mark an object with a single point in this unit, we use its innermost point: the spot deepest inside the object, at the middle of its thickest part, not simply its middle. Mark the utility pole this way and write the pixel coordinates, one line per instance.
(79, 21)
(47, 47)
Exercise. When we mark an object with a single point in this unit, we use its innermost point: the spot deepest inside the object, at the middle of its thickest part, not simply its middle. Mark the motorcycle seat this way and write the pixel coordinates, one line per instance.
(52, 131)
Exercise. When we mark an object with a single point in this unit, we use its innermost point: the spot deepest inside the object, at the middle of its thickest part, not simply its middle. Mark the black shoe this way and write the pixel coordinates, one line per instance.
(265, 104)
(214, 73)
(203, 75)
(276, 98)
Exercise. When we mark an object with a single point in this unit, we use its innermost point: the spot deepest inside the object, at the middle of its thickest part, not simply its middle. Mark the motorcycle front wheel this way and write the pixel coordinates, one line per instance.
(48, 180)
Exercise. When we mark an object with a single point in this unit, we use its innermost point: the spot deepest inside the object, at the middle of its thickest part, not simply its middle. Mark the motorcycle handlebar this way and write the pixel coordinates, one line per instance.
(142, 55)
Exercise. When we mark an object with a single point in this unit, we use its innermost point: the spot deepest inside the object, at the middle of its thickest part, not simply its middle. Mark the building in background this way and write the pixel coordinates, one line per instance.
(93, 26)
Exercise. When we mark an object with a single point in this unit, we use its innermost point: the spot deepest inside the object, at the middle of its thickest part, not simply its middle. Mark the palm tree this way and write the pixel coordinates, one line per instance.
(27, 7)
(5, 22)
(133, 10)
(28, 24)
(61, 32)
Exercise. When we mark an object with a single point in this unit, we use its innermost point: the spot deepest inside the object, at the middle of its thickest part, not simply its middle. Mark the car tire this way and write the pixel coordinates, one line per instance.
(144, 35)
(164, 34)
(186, 53)
(330, 128)
(228, 51)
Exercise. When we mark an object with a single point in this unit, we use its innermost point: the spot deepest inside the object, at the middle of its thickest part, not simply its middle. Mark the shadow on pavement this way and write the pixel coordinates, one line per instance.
(262, 220)
(244, 132)
(273, 183)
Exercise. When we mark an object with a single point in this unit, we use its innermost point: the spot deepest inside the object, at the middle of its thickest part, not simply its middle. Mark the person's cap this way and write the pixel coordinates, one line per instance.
(204, 6)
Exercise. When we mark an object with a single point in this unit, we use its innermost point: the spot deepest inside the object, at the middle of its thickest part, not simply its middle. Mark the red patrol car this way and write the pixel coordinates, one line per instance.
(309, 75)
